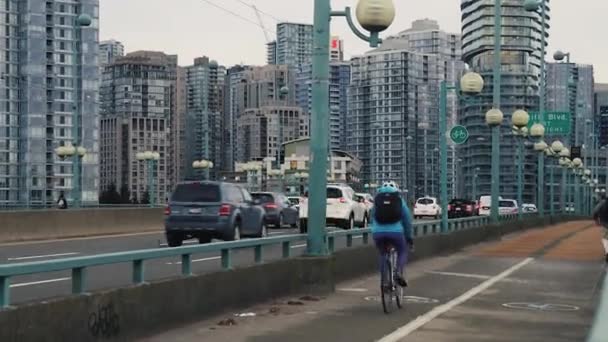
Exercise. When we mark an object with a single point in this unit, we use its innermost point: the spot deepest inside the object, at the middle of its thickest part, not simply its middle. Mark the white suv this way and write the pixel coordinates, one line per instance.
(427, 207)
(343, 210)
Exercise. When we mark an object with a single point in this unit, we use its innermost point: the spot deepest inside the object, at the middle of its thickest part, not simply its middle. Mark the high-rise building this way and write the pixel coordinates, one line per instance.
(293, 45)
(263, 130)
(271, 86)
(48, 81)
(600, 105)
(570, 89)
(271, 52)
(336, 49)
(138, 102)
(205, 106)
(392, 122)
(521, 59)
(232, 107)
(109, 50)
(339, 81)
(178, 128)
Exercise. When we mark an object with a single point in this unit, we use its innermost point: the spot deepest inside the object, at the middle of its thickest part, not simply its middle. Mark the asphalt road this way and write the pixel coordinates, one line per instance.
(541, 285)
(53, 284)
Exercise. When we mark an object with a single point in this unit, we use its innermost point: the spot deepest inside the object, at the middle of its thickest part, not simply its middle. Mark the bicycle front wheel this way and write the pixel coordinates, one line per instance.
(386, 286)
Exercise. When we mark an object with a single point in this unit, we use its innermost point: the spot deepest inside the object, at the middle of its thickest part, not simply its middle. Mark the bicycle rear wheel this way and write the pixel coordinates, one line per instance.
(386, 285)
(397, 289)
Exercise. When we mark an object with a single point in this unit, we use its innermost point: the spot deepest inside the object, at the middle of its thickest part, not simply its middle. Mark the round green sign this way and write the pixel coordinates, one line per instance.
(459, 134)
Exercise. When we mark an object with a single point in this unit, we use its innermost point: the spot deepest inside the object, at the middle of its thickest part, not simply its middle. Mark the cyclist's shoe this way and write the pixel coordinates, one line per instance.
(401, 281)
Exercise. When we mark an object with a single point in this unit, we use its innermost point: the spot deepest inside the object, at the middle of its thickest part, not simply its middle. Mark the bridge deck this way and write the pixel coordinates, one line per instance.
(541, 285)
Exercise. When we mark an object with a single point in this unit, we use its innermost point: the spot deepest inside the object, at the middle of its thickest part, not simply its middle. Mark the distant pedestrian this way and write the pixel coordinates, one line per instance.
(600, 216)
(61, 202)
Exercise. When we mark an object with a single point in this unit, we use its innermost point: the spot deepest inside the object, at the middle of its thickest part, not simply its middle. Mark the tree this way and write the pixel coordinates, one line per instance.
(145, 198)
(110, 195)
(125, 194)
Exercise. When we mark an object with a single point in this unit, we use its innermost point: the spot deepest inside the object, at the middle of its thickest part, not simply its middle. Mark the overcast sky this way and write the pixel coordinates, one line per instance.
(192, 28)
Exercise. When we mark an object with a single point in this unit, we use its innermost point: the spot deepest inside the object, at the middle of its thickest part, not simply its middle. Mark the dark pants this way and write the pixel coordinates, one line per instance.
(397, 240)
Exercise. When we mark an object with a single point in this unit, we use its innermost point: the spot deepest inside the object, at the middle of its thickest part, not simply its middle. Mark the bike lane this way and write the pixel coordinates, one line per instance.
(506, 291)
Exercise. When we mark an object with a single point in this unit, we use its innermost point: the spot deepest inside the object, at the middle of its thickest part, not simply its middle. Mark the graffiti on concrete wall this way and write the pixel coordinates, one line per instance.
(104, 322)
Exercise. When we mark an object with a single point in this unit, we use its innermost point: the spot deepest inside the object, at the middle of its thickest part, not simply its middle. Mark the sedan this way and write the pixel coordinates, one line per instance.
(279, 210)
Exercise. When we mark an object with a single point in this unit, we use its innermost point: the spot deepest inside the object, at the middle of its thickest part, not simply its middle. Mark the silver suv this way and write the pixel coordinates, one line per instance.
(207, 210)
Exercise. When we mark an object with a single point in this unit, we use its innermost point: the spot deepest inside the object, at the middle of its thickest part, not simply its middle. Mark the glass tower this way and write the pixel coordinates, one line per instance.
(49, 83)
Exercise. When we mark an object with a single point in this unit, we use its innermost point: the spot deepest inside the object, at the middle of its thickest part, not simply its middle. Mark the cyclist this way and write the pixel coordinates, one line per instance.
(391, 223)
(600, 216)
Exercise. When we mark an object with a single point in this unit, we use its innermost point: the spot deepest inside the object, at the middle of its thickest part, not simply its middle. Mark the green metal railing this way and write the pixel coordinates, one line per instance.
(79, 265)
(599, 330)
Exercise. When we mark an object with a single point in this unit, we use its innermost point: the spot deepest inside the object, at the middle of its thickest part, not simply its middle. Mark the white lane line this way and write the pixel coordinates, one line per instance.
(298, 246)
(412, 326)
(353, 290)
(195, 260)
(41, 256)
(464, 275)
(40, 282)
(358, 237)
(185, 243)
(109, 236)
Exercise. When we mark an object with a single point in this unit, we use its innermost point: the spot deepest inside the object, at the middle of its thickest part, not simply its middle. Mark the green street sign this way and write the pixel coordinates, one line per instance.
(459, 134)
(556, 123)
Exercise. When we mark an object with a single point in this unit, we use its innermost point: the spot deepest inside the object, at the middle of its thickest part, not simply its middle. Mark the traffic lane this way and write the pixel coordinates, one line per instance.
(553, 301)
(44, 286)
(56, 249)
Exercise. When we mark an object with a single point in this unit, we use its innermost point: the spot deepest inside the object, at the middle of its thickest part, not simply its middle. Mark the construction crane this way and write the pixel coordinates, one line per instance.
(257, 14)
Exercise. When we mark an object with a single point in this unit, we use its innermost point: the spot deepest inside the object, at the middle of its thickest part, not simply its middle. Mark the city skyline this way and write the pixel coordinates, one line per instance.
(191, 23)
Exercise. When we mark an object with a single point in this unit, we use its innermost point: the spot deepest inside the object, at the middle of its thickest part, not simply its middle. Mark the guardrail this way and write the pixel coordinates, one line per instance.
(79, 265)
(83, 206)
(599, 329)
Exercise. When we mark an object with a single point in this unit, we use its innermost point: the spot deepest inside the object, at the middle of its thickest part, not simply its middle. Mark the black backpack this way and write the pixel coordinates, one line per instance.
(388, 207)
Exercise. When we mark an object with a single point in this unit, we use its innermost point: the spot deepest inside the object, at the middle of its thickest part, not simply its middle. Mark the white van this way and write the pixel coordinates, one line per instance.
(485, 202)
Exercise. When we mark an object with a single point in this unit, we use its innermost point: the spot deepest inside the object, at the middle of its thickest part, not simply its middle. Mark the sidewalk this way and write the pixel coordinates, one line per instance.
(537, 268)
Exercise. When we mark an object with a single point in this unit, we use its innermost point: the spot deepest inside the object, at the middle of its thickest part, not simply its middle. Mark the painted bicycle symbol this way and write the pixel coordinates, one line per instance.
(541, 307)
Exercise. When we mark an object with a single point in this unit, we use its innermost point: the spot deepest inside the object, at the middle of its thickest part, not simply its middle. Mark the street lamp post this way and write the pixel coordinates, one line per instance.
(150, 158)
(475, 176)
(77, 153)
(374, 16)
(494, 116)
(470, 83)
(205, 165)
(564, 162)
(553, 151)
(577, 164)
(520, 120)
(83, 20)
(534, 6)
(537, 131)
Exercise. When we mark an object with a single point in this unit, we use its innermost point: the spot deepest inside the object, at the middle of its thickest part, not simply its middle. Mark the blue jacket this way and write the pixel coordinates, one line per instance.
(405, 225)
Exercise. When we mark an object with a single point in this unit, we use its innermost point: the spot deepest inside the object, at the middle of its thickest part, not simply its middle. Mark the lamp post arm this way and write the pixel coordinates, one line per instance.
(373, 39)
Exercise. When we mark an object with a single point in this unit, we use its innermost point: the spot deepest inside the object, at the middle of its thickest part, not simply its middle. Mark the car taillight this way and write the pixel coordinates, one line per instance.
(342, 200)
(167, 210)
(270, 206)
(225, 210)
(469, 208)
(449, 207)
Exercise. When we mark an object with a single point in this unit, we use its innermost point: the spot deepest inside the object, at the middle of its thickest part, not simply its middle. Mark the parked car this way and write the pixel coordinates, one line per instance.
(368, 201)
(208, 210)
(507, 207)
(343, 210)
(570, 208)
(427, 207)
(529, 208)
(485, 202)
(461, 208)
(279, 210)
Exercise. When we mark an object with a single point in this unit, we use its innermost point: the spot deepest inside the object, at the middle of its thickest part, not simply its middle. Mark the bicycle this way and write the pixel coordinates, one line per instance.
(389, 288)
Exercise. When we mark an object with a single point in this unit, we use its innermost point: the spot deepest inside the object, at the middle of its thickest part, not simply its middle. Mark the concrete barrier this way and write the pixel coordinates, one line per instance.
(128, 313)
(54, 224)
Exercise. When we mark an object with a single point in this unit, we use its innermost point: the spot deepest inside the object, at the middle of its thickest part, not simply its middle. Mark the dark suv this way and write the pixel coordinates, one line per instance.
(461, 208)
(207, 210)
(279, 210)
